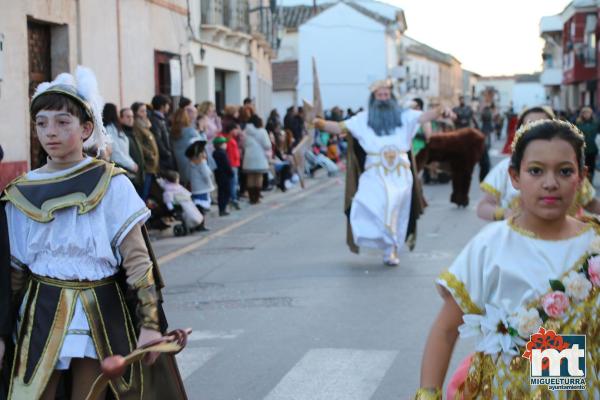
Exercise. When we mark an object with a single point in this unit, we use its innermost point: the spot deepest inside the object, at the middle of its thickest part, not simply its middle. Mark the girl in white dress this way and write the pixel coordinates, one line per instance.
(540, 268)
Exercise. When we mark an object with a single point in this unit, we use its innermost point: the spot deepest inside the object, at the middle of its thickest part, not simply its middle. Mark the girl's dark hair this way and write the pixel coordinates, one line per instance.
(184, 102)
(135, 107)
(256, 121)
(110, 115)
(57, 102)
(545, 110)
(548, 130)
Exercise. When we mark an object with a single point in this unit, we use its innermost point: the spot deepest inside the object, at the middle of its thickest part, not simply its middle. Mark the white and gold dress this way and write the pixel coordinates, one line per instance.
(510, 280)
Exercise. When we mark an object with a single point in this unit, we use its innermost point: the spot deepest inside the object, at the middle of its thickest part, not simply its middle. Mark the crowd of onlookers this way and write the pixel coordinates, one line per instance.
(184, 159)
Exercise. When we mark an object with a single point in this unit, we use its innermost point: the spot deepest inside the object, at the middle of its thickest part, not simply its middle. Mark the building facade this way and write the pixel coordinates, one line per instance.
(137, 48)
(345, 72)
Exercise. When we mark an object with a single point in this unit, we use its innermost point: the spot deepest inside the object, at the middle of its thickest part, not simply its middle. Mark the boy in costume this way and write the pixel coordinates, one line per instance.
(87, 283)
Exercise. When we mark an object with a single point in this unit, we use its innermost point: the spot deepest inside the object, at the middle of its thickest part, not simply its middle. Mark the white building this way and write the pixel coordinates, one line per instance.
(551, 30)
(138, 48)
(353, 43)
(517, 91)
(353, 47)
(421, 62)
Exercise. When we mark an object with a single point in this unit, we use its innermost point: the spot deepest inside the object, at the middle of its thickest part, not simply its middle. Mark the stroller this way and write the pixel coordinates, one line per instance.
(178, 201)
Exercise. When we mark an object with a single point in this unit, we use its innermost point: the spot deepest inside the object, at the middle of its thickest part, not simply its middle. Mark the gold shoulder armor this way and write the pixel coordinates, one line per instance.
(83, 188)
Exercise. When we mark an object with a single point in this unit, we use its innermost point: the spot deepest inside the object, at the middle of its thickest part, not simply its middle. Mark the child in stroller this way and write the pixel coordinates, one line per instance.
(178, 201)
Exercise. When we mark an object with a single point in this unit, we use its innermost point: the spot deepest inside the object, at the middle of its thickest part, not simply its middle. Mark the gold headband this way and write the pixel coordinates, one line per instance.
(529, 126)
(384, 83)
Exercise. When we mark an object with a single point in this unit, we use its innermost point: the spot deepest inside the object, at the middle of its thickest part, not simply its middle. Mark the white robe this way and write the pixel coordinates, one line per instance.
(381, 206)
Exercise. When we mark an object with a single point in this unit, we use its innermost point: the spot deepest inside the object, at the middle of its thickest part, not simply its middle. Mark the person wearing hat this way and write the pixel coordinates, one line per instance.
(223, 174)
(501, 199)
(382, 201)
(76, 234)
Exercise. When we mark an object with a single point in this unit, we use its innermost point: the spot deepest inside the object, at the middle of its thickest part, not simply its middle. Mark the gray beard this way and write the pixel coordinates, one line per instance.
(384, 116)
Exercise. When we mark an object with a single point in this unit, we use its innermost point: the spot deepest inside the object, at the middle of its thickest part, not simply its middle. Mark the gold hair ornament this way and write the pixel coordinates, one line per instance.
(527, 127)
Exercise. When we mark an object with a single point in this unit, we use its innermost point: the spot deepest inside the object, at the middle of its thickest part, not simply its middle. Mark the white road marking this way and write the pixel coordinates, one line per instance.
(192, 358)
(209, 335)
(334, 374)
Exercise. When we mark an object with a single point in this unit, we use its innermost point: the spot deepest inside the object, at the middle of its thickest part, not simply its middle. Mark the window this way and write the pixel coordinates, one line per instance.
(589, 40)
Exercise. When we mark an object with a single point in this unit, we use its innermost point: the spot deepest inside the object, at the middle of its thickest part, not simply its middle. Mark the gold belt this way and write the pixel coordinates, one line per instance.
(82, 285)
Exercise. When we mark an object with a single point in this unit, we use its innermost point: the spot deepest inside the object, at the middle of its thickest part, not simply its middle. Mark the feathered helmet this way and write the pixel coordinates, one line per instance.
(83, 88)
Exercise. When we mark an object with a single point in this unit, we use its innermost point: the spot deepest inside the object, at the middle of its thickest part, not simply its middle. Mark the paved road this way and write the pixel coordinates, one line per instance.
(282, 310)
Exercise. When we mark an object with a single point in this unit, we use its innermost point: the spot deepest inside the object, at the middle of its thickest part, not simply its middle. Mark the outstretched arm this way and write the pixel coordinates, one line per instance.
(440, 344)
(435, 113)
(332, 127)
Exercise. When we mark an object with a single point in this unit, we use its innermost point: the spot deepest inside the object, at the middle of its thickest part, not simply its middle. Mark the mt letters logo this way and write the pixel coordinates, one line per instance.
(557, 361)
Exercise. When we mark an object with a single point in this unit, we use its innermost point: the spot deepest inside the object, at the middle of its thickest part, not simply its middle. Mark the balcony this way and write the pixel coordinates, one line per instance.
(551, 77)
(551, 24)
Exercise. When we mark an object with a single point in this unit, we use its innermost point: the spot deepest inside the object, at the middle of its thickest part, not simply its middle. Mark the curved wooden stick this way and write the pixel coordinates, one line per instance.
(114, 366)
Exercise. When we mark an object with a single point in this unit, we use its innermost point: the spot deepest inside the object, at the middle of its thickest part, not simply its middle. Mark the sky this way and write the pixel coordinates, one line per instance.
(489, 37)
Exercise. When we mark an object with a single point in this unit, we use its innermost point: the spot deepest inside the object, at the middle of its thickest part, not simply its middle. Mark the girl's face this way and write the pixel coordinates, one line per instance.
(61, 134)
(191, 112)
(586, 114)
(548, 179)
(141, 112)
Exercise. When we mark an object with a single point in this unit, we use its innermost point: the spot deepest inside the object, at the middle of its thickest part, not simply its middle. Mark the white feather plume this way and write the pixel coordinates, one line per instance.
(87, 87)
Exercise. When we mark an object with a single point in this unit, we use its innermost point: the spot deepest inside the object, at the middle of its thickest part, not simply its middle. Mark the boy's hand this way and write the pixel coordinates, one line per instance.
(146, 336)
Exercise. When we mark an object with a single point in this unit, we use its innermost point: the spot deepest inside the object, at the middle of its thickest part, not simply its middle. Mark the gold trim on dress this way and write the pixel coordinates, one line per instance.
(486, 187)
(45, 213)
(126, 224)
(512, 225)
(33, 389)
(460, 293)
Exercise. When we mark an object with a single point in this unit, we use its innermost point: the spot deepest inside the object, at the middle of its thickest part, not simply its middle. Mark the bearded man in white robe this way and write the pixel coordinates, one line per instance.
(382, 201)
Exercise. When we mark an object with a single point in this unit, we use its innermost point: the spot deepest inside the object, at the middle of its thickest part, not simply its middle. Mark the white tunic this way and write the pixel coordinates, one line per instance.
(77, 247)
(497, 183)
(381, 206)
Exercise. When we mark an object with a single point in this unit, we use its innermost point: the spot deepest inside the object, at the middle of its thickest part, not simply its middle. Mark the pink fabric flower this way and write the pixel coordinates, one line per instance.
(555, 304)
(594, 270)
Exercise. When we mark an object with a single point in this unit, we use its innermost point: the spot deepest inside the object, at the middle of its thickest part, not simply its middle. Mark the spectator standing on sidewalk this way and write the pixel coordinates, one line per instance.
(161, 105)
(256, 163)
(223, 173)
(182, 133)
(589, 126)
(212, 122)
(487, 127)
(126, 119)
(119, 140)
(231, 132)
(141, 130)
(201, 177)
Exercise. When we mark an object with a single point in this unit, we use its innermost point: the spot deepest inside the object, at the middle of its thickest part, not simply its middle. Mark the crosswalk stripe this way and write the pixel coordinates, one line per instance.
(208, 335)
(192, 358)
(334, 374)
